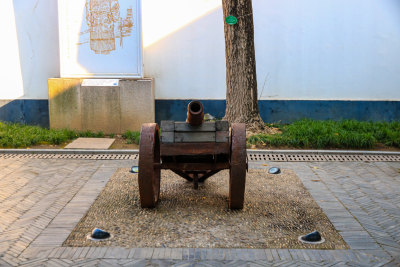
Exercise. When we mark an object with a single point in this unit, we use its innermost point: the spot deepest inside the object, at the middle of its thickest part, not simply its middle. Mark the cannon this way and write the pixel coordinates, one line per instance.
(195, 150)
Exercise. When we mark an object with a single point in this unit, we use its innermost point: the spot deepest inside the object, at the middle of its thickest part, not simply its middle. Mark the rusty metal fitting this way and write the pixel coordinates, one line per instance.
(195, 114)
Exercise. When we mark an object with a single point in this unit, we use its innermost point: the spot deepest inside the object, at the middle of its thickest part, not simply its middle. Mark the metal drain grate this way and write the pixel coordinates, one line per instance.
(71, 156)
(304, 157)
(252, 156)
(381, 157)
(259, 156)
(266, 157)
(344, 157)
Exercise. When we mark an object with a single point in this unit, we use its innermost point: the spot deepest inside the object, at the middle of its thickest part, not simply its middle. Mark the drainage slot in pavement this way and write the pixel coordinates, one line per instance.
(252, 157)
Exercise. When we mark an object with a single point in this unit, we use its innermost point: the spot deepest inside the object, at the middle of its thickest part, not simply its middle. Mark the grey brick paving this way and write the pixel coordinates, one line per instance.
(41, 201)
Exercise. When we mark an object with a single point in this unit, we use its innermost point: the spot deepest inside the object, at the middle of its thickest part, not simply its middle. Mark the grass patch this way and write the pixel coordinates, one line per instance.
(15, 135)
(132, 137)
(353, 134)
(347, 134)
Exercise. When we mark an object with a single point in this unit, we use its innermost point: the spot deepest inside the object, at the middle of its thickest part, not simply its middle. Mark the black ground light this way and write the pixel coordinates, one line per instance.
(274, 170)
(134, 169)
(312, 238)
(98, 234)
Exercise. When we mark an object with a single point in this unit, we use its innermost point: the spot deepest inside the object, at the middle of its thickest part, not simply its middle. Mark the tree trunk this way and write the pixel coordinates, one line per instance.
(241, 80)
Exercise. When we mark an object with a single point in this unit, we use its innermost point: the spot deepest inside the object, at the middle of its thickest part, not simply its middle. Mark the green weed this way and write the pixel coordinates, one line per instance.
(132, 137)
(99, 134)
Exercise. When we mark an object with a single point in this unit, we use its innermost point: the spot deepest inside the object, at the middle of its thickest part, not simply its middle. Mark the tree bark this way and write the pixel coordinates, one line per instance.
(241, 78)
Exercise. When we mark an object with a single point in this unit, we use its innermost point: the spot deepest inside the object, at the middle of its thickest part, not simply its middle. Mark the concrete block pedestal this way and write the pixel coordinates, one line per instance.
(110, 108)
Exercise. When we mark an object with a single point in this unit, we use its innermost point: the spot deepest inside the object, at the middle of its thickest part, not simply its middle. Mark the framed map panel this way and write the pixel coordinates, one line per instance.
(100, 38)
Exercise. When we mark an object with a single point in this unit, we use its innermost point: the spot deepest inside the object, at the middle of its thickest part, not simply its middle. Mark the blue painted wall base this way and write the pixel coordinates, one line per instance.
(25, 111)
(36, 112)
(287, 111)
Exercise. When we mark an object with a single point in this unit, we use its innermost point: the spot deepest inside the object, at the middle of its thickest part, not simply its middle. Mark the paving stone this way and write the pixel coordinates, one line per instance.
(275, 254)
(5, 263)
(100, 252)
(90, 143)
(143, 253)
(304, 254)
(78, 253)
(46, 197)
(258, 254)
(362, 245)
(90, 252)
(284, 254)
(268, 255)
(394, 252)
(158, 253)
(137, 263)
(44, 253)
(218, 254)
(57, 252)
(31, 263)
(176, 254)
(313, 255)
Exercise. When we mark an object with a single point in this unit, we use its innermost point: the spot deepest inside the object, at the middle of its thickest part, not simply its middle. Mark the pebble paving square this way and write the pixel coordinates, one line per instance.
(277, 210)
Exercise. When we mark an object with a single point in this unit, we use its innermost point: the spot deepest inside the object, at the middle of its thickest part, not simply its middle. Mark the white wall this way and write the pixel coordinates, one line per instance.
(29, 50)
(331, 49)
(10, 70)
(305, 49)
(308, 49)
(186, 56)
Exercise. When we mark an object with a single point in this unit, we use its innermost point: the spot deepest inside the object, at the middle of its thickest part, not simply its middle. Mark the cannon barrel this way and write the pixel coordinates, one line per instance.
(195, 114)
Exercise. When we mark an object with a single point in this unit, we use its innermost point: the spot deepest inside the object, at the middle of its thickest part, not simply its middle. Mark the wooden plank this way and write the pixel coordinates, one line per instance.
(222, 137)
(167, 137)
(167, 126)
(194, 137)
(180, 166)
(185, 127)
(222, 125)
(176, 149)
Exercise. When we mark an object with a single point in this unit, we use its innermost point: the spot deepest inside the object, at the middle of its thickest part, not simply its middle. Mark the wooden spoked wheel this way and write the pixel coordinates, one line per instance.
(237, 171)
(149, 171)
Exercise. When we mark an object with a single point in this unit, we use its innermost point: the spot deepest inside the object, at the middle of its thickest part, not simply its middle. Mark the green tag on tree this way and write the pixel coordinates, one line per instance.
(231, 20)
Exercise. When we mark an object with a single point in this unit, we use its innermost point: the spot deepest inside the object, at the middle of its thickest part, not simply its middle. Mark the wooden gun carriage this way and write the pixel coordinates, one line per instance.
(195, 150)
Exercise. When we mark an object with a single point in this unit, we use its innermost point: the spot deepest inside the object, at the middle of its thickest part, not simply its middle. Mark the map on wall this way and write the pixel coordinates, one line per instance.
(100, 38)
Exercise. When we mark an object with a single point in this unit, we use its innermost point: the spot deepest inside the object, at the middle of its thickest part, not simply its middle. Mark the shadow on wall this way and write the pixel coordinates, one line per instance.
(25, 111)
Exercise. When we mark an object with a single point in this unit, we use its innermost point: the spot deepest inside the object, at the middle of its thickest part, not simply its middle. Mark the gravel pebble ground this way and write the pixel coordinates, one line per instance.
(277, 210)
